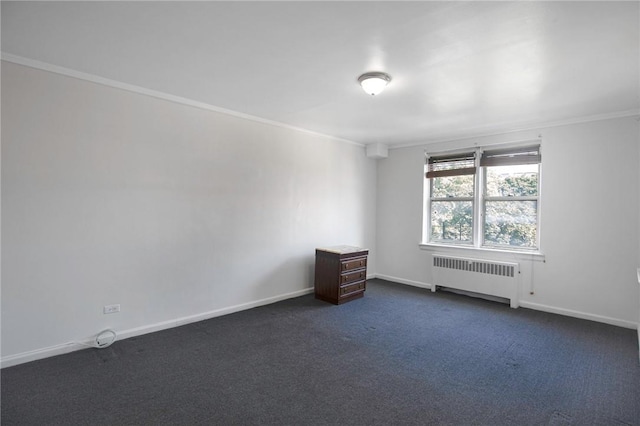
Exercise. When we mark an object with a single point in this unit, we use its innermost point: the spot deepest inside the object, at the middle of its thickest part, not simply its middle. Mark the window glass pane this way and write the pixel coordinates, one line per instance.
(512, 181)
(452, 221)
(511, 223)
(452, 186)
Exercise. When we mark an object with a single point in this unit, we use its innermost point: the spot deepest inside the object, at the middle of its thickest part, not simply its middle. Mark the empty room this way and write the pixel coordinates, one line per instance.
(320, 213)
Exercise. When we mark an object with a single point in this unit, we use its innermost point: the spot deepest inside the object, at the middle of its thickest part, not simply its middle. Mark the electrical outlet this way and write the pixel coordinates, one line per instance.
(111, 309)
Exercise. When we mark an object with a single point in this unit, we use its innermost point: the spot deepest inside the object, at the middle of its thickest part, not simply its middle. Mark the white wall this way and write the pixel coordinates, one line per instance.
(589, 219)
(174, 212)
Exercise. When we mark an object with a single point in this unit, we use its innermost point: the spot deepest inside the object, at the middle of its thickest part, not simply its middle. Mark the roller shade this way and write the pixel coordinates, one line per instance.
(451, 165)
(511, 157)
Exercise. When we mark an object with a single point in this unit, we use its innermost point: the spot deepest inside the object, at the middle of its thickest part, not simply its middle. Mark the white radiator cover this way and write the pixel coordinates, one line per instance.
(500, 279)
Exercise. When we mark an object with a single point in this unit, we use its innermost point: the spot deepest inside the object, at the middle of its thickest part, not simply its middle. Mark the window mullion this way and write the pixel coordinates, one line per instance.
(426, 226)
(478, 202)
(538, 208)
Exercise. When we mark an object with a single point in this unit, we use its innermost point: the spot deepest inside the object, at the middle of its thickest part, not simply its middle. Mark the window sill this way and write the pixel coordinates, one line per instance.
(497, 253)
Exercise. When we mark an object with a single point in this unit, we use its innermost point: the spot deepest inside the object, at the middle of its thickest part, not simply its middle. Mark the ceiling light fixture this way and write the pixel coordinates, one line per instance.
(374, 82)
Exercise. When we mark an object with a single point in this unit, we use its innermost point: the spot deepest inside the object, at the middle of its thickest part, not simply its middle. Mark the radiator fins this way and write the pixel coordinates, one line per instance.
(483, 267)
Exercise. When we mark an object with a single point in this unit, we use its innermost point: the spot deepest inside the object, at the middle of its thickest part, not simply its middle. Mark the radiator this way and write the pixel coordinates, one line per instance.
(492, 278)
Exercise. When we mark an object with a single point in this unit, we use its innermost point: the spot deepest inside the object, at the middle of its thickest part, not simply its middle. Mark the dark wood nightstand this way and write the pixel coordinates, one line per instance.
(341, 273)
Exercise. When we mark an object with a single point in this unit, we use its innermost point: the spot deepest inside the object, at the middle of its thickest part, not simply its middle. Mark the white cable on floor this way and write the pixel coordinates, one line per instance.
(103, 339)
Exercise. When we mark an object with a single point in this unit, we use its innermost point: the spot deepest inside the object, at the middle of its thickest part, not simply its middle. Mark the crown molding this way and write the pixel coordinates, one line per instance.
(44, 66)
(468, 134)
(463, 135)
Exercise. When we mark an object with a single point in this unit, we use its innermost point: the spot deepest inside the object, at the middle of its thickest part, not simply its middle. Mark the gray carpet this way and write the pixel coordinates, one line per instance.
(400, 355)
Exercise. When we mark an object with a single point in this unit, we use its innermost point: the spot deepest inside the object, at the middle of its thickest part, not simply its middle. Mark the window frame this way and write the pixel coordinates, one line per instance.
(484, 198)
(480, 198)
(464, 171)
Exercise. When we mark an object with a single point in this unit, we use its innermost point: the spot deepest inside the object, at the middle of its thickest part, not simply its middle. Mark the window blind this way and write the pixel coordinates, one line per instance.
(511, 156)
(451, 165)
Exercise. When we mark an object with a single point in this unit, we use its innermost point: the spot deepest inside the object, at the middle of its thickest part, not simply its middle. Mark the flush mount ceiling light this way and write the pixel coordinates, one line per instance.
(374, 82)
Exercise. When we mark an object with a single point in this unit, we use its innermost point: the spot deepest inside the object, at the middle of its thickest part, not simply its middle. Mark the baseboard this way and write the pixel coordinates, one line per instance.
(578, 314)
(538, 307)
(403, 281)
(210, 314)
(64, 348)
(21, 358)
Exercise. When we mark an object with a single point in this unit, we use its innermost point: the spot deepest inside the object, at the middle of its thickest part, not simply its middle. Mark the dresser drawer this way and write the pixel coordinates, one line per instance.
(353, 276)
(352, 264)
(352, 288)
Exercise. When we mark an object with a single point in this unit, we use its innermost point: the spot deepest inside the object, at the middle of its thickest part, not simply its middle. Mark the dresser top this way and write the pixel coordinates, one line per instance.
(342, 249)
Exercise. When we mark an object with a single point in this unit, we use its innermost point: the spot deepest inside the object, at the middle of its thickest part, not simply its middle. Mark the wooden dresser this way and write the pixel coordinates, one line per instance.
(341, 273)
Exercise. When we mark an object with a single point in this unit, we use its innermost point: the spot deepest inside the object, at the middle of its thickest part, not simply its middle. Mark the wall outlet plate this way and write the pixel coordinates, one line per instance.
(111, 309)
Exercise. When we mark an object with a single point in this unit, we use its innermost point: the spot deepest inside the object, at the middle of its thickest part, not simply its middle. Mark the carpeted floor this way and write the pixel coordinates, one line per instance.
(400, 355)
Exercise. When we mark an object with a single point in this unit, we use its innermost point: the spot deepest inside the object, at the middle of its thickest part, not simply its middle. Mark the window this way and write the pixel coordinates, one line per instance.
(452, 188)
(484, 198)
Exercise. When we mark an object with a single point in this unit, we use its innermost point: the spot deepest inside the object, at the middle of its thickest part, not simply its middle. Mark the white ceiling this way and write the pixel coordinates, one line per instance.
(458, 68)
